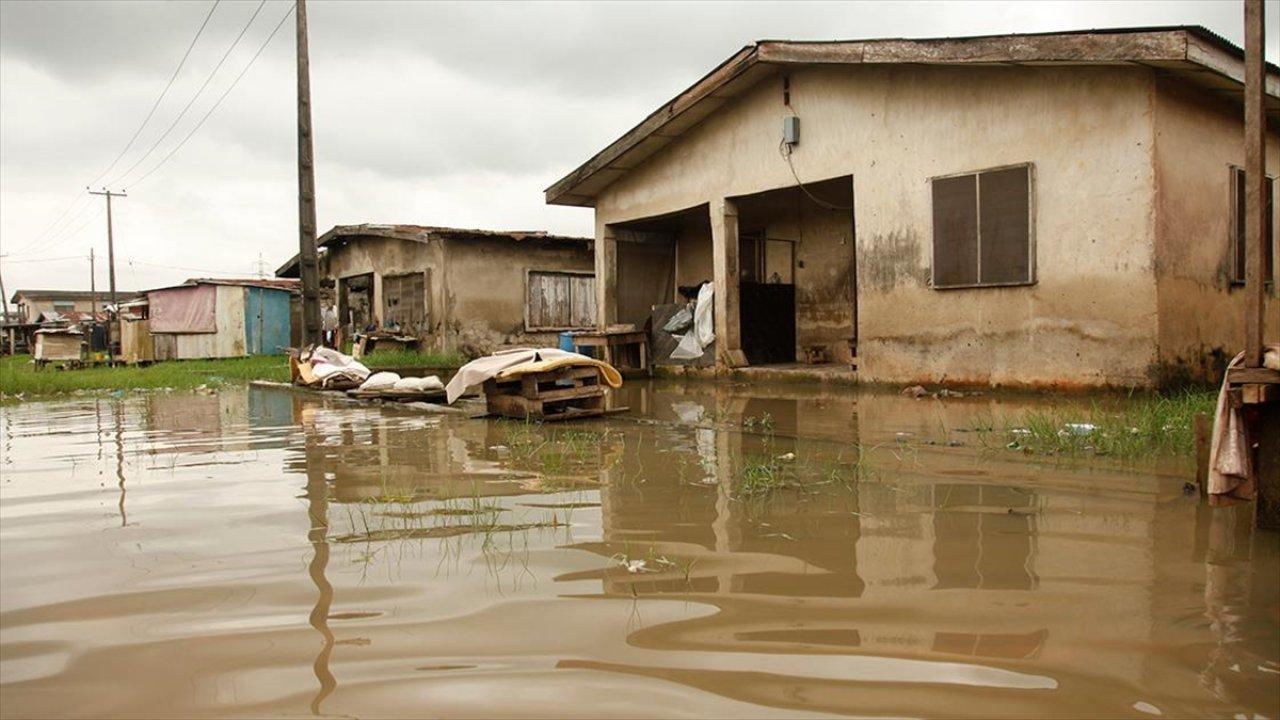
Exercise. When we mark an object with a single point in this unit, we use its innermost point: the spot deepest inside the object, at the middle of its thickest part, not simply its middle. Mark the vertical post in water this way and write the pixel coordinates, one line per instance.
(1255, 177)
(308, 269)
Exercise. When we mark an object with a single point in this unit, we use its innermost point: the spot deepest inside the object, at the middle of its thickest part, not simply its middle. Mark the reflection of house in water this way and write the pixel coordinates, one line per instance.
(967, 562)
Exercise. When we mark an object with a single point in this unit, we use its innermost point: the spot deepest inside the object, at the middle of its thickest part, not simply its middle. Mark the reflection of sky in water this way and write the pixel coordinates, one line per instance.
(257, 551)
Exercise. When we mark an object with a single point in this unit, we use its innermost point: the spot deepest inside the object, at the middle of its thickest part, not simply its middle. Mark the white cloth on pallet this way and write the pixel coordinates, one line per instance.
(474, 373)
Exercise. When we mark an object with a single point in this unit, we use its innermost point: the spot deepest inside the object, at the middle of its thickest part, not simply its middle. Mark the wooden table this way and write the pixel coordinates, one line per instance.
(614, 344)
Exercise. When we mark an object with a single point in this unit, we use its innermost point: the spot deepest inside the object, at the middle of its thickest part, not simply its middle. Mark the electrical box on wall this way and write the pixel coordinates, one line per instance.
(791, 130)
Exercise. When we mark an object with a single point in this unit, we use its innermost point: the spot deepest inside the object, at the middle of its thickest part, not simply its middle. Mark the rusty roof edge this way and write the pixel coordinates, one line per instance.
(783, 52)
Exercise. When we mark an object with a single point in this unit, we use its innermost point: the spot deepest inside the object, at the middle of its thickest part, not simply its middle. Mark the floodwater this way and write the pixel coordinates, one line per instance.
(258, 552)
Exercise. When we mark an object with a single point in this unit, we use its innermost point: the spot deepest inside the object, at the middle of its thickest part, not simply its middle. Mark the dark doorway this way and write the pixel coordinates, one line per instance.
(797, 273)
(769, 337)
(355, 302)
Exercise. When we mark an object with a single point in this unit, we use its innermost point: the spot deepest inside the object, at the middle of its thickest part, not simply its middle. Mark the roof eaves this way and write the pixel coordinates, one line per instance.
(1167, 44)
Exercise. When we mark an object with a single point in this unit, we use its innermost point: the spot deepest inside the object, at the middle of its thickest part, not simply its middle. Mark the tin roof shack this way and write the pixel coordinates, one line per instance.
(1051, 209)
(219, 318)
(58, 345)
(468, 291)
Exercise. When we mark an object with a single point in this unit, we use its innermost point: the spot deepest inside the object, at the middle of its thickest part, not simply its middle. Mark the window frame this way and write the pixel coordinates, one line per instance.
(1234, 229)
(399, 278)
(1032, 272)
(524, 300)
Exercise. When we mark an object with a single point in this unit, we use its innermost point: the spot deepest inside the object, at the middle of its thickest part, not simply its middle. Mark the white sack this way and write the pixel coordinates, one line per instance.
(380, 381)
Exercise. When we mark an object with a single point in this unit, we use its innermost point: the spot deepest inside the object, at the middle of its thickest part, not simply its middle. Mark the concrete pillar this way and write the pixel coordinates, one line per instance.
(606, 254)
(724, 252)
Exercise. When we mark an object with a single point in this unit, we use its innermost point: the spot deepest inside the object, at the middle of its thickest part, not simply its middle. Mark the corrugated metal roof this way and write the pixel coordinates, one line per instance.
(424, 233)
(103, 295)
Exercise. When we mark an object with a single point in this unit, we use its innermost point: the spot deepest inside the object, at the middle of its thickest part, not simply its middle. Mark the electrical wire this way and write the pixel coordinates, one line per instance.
(120, 178)
(53, 259)
(67, 233)
(785, 150)
(178, 267)
(80, 196)
(224, 95)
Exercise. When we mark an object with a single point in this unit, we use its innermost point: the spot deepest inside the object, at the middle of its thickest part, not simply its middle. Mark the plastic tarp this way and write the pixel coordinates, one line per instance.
(704, 330)
(184, 310)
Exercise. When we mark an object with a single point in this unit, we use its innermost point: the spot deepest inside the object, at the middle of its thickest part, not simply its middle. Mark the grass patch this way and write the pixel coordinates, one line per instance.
(18, 375)
(413, 358)
(1127, 428)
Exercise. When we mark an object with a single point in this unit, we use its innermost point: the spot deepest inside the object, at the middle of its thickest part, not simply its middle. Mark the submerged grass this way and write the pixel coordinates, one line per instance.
(18, 375)
(1129, 428)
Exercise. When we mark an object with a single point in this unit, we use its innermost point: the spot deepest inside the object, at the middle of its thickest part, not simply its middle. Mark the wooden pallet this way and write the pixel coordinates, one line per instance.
(392, 394)
(562, 394)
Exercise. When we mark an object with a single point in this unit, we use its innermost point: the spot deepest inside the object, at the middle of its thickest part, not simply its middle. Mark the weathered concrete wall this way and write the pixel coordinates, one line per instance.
(486, 289)
(388, 256)
(1091, 317)
(1197, 140)
(31, 309)
(476, 287)
(693, 256)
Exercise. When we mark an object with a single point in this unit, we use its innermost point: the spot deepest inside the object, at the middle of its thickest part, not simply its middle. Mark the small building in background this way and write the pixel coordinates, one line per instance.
(35, 306)
(214, 318)
(456, 290)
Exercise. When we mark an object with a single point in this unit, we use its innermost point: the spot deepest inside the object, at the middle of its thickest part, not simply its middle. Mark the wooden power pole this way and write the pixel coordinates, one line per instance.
(308, 268)
(93, 288)
(111, 263)
(1255, 178)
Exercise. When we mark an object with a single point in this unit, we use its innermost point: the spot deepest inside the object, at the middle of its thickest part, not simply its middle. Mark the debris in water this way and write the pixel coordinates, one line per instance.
(915, 391)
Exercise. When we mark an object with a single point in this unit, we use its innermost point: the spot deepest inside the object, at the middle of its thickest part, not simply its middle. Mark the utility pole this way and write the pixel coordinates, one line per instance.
(4, 303)
(4, 299)
(308, 269)
(111, 263)
(1255, 178)
(93, 288)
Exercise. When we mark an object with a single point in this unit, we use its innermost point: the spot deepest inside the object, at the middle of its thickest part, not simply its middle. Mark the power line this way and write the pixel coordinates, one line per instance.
(168, 85)
(52, 259)
(224, 95)
(120, 178)
(179, 267)
(71, 230)
(67, 234)
(79, 196)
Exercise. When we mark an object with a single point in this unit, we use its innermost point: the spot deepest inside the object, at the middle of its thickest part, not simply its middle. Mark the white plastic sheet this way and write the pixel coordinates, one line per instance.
(703, 333)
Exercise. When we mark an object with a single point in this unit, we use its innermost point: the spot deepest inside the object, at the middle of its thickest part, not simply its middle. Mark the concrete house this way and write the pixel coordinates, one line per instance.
(1050, 209)
(456, 289)
(30, 305)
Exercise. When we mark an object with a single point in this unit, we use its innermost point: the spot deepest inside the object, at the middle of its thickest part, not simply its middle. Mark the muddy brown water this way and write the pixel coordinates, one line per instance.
(262, 553)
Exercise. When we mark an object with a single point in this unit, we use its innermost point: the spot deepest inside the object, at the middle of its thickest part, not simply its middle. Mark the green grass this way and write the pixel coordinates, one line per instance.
(411, 358)
(18, 375)
(1125, 428)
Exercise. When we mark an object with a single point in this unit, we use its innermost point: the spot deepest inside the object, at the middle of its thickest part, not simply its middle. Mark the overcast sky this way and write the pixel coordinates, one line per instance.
(424, 113)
